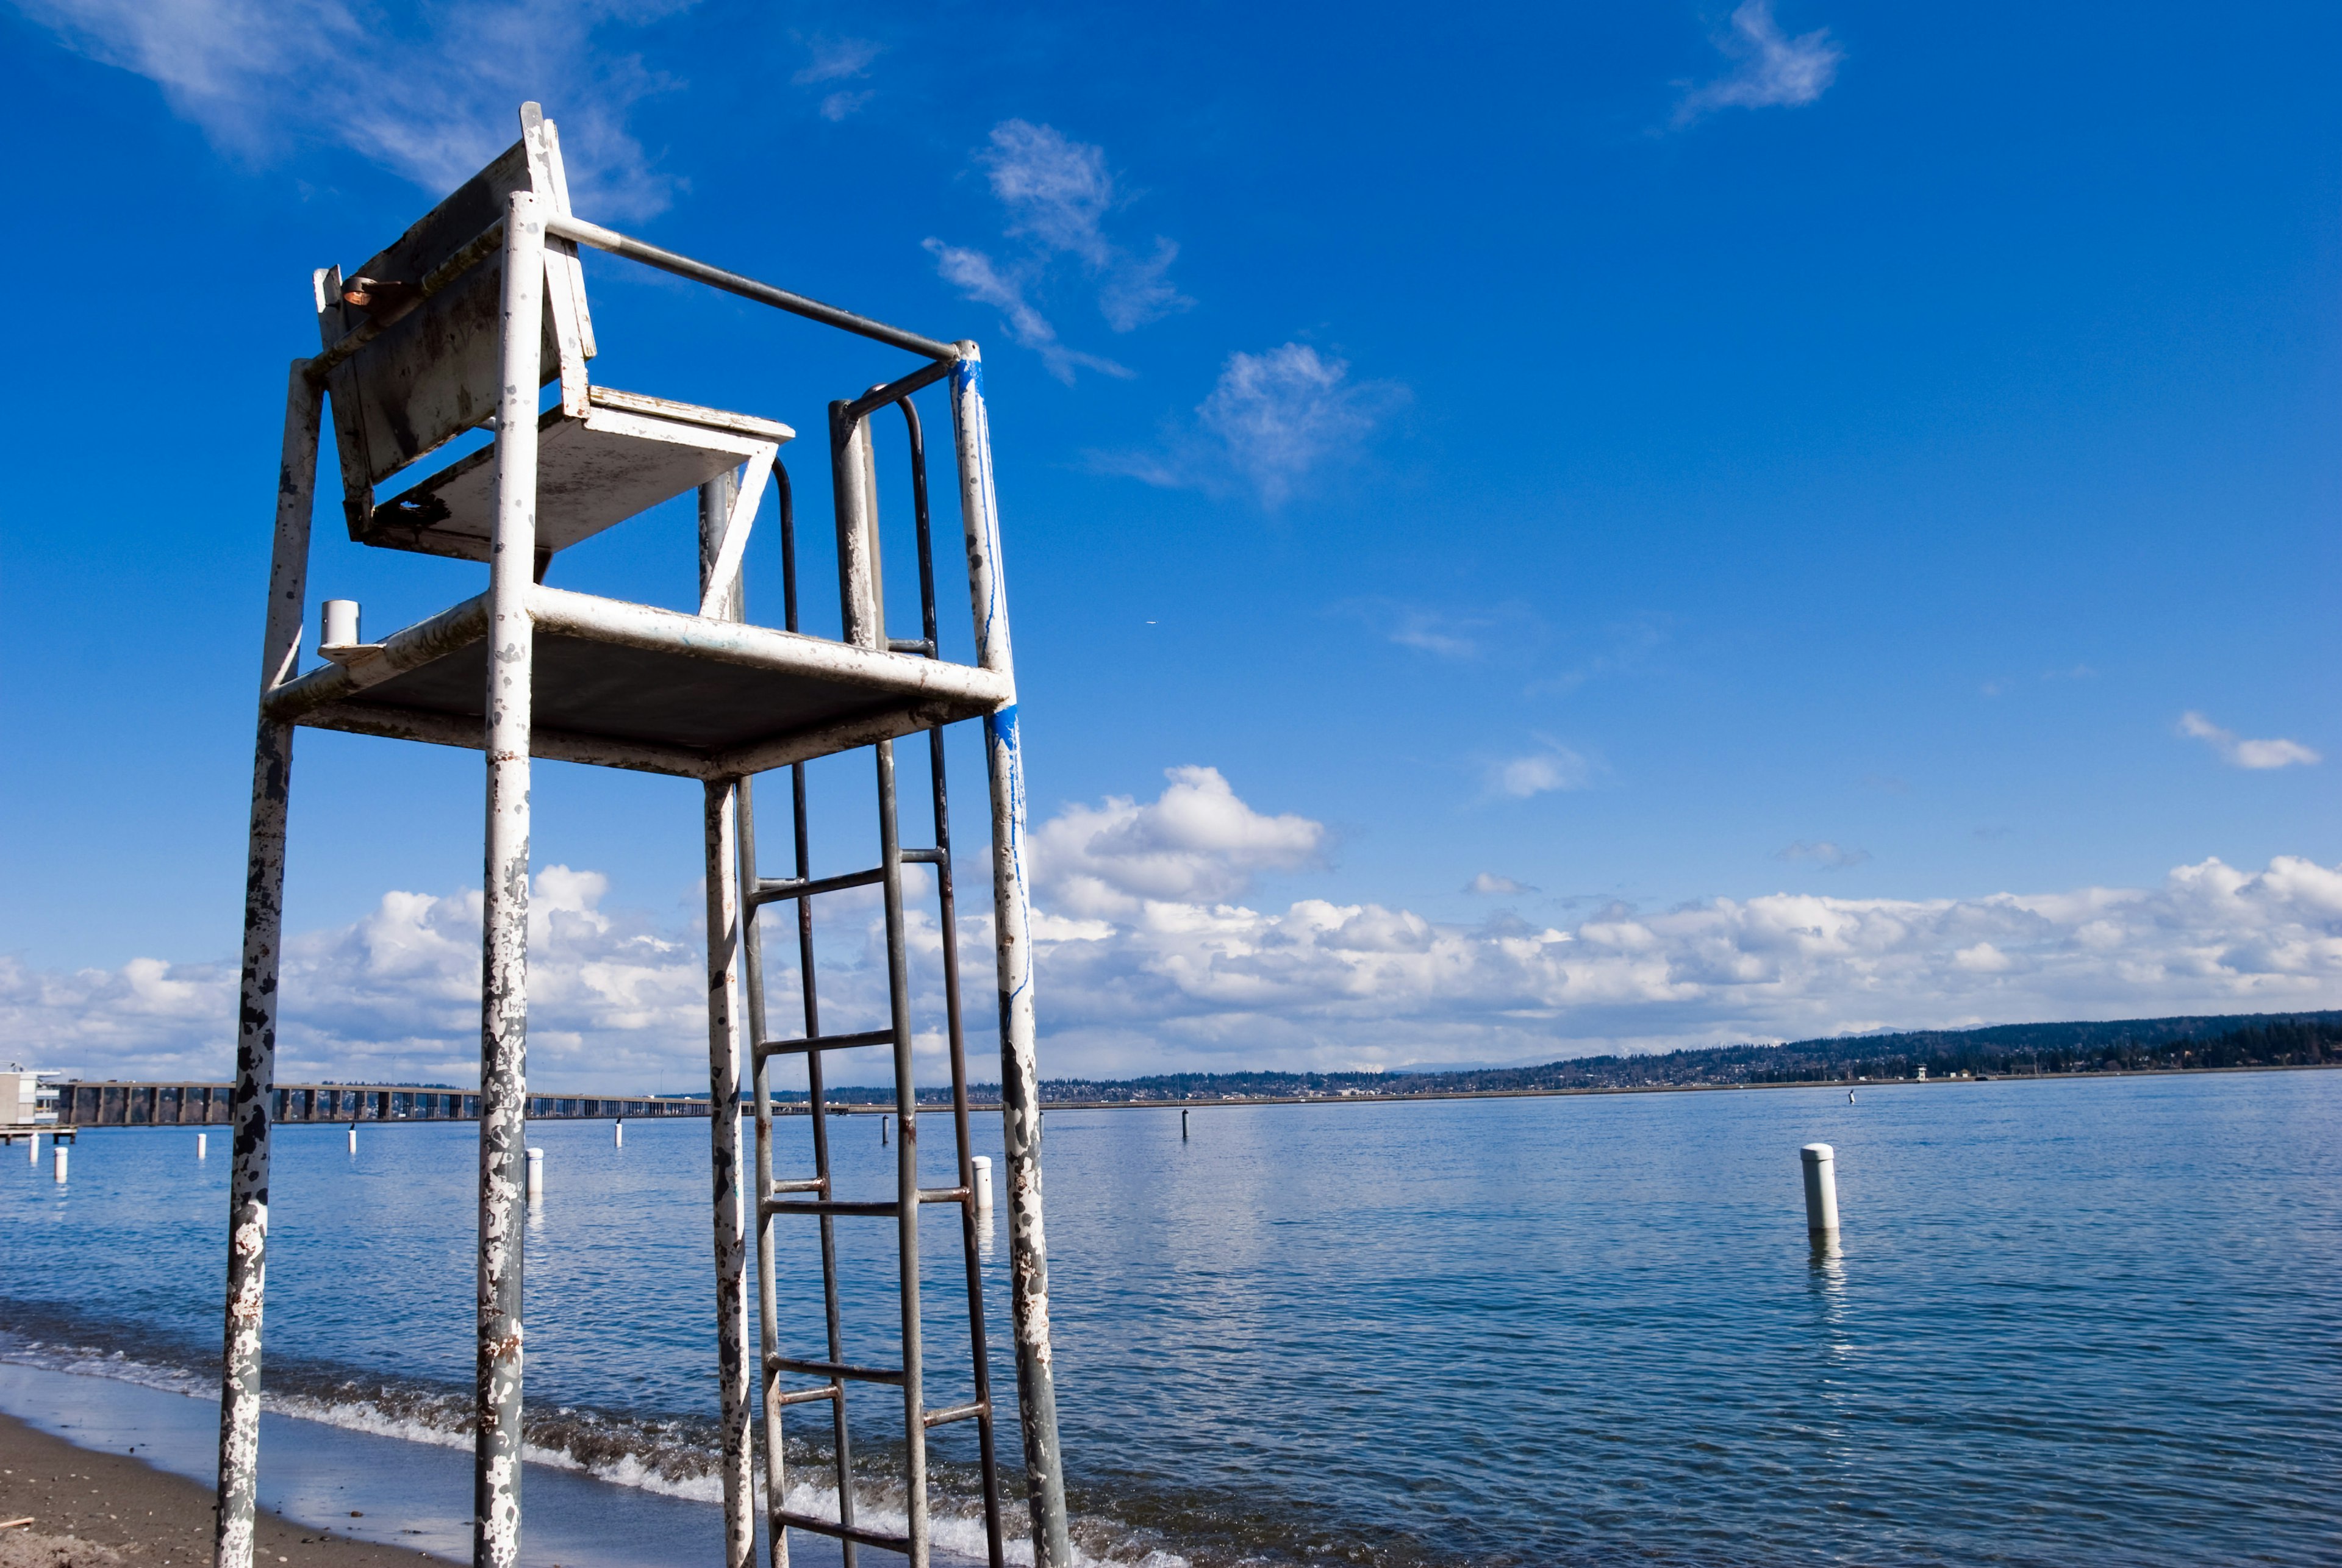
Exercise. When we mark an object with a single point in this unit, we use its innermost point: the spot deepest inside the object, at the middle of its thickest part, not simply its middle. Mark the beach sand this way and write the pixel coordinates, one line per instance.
(94, 1509)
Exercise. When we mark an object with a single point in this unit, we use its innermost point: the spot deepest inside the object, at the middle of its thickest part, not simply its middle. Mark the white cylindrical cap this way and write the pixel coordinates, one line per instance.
(341, 623)
(983, 1164)
(1821, 1187)
(61, 1162)
(535, 1170)
(202, 1142)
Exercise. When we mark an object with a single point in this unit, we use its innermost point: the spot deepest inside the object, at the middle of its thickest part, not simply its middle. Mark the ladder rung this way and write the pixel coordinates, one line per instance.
(833, 1370)
(774, 890)
(886, 1211)
(783, 1519)
(805, 1396)
(943, 1194)
(956, 1412)
(800, 1184)
(824, 1043)
(910, 646)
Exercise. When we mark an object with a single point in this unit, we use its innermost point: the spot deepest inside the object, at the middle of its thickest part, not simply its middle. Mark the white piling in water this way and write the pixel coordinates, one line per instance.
(354, 1137)
(983, 1164)
(36, 1148)
(61, 1162)
(535, 1174)
(1821, 1189)
(203, 1145)
(618, 1133)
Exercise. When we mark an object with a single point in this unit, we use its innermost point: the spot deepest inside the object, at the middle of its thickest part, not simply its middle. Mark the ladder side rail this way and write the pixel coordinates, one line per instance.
(1020, 1090)
(907, 1165)
(504, 993)
(861, 592)
(841, 1435)
(948, 917)
(723, 600)
(263, 923)
(768, 1326)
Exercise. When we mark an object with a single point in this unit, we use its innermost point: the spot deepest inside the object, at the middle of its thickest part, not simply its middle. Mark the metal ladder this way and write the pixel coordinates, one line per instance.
(791, 1199)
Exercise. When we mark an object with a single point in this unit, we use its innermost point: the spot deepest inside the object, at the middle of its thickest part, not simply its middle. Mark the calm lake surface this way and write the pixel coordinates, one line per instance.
(2071, 1322)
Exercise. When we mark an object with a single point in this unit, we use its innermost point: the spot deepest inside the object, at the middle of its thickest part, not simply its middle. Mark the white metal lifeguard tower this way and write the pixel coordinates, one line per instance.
(456, 328)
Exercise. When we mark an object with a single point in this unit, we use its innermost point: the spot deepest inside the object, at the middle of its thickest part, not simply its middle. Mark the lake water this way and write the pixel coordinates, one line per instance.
(2070, 1322)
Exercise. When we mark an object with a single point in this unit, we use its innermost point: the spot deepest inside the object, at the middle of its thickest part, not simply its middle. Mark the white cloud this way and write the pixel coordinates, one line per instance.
(1195, 842)
(1271, 420)
(1774, 71)
(428, 92)
(1821, 851)
(2244, 754)
(1488, 884)
(979, 277)
(1057, 193)
(1147, 959)
(1557, 767)
(840, 105)
(836, 59)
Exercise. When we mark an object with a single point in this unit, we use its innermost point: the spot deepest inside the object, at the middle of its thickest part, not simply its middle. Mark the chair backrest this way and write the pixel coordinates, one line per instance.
(433, 370)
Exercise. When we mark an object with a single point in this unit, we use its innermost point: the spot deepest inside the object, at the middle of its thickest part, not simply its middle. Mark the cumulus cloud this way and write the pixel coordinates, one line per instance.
(1272, 419)
(2244, 754)
(1488, 884)
(1057, 193)
(1195, 844)
(1149, 957)
(428, 92)
(1773, 70)
(1821, 851)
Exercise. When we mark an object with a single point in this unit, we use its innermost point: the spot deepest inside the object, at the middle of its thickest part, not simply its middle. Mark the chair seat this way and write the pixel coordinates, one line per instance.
(627, 454)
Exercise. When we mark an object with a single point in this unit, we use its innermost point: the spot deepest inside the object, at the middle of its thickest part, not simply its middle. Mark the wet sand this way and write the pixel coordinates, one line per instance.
(94, 1509)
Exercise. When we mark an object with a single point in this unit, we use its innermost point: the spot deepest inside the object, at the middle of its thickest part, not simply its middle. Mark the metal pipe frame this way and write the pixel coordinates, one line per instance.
(264, 926)
(504, 995)
(1020, 1087)
(726, 601)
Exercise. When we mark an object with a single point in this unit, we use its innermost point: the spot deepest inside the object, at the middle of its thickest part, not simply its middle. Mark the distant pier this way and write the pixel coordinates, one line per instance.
(128, 1104)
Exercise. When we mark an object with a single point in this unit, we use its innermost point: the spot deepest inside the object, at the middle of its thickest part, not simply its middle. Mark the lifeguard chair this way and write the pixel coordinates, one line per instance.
(457, 328)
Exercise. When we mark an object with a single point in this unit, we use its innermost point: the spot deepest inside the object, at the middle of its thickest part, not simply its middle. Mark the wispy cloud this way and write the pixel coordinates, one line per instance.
(1057, 195)
(2244, 754)
(835, 59)
(427, 92)
(1155, 961)
(1271, 420)
(1553, 767)
(1821, 851)
(976, 275)
(1488, 884)
(1774, 70)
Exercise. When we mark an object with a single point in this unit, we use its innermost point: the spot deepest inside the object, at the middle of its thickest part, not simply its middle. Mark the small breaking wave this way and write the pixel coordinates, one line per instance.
(671, 1456)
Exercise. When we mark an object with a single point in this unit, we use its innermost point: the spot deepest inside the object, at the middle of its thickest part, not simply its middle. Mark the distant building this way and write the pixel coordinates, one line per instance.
(1922, 1074)
(26, 1100)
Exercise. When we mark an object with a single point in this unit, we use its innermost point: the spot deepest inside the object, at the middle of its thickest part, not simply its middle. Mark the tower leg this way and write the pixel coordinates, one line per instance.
(504, 995)
(721, 823)
(1020, 1088)
(256, 1044)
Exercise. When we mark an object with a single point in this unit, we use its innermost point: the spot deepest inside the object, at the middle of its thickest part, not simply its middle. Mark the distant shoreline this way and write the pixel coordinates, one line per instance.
(865, 1108)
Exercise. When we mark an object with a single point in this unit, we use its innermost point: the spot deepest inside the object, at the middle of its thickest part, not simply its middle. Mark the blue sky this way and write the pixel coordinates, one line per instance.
(1563, 528)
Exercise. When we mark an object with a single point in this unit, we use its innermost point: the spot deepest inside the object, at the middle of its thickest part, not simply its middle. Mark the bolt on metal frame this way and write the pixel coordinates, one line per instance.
(399, 688)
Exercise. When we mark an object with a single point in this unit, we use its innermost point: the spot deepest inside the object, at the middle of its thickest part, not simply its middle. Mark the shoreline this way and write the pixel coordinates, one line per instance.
(130, 1509)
